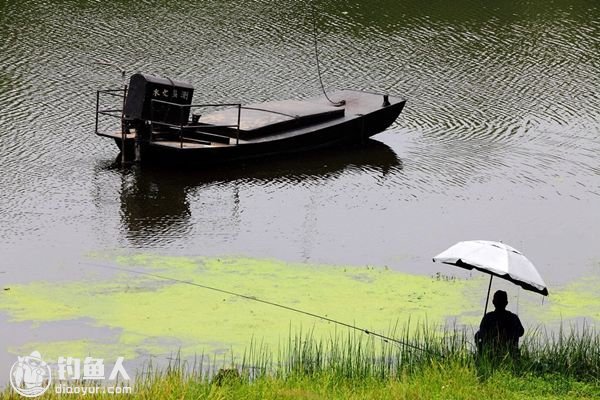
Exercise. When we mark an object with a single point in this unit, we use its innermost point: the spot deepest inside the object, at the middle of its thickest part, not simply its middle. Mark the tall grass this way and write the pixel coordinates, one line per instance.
(345, 362)
(572, 352)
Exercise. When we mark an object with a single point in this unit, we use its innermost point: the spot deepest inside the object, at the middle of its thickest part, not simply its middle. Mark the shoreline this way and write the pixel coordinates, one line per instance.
(358, 367)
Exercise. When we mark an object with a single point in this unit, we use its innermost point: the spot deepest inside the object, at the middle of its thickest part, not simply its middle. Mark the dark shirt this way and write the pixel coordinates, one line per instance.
(501, 330)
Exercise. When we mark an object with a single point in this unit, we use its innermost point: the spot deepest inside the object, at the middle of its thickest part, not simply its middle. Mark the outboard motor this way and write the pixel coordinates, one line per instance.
(145, 103)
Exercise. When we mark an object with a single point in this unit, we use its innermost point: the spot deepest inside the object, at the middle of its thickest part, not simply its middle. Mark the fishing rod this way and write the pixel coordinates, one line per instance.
(385, 339)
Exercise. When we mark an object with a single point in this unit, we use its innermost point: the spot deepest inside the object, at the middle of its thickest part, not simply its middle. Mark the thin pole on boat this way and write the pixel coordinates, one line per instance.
(123, 128)
(385, 339)
(237, 138)
(181, 127)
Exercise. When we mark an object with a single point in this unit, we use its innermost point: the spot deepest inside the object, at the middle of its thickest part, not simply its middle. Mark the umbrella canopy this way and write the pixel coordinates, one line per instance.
(497, 259)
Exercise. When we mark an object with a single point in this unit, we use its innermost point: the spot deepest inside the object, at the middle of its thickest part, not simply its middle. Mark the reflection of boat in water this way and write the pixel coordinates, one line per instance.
(159, 123)
(155, 201)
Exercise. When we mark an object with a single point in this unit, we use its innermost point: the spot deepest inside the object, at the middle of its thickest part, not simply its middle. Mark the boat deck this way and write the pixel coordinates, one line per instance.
(265, 118)
(176, 144)
(118, 135)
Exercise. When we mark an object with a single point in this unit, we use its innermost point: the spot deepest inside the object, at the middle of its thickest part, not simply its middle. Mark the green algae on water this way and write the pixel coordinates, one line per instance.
(160, 316)
(147, 315)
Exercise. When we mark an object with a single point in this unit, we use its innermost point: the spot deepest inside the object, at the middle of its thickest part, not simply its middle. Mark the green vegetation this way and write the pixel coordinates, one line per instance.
(356, 366)
(140, 315)
(144, 315)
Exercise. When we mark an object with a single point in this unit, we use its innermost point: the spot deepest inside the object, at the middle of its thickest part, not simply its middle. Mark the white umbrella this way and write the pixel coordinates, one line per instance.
(496, 259)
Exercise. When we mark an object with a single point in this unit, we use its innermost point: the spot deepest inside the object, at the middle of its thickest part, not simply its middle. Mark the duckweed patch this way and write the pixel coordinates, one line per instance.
(156, 316)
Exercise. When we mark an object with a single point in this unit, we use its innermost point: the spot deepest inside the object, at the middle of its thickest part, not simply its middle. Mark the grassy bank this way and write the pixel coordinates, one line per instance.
(428, 364)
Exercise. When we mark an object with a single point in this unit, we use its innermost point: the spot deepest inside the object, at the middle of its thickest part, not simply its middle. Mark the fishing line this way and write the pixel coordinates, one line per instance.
(385, 339)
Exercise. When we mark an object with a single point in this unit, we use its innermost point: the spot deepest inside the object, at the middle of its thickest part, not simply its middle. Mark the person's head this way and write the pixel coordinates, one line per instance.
(500, 300)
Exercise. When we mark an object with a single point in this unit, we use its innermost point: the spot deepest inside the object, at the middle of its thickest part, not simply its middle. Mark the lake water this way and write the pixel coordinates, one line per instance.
(499, 139)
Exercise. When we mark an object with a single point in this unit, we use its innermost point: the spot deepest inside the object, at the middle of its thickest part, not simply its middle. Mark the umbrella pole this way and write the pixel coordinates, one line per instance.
(487, 299)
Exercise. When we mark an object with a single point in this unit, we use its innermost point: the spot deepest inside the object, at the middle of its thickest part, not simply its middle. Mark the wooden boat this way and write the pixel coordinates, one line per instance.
(159, 123)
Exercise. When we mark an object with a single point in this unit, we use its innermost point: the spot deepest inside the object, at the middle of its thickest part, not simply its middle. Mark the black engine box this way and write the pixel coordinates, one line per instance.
(145, 88)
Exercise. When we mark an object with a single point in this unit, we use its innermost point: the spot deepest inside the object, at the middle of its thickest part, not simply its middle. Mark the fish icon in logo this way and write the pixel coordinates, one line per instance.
(30, 375)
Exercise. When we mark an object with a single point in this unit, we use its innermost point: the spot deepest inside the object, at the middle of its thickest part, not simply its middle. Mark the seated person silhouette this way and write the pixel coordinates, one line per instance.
(500, 330)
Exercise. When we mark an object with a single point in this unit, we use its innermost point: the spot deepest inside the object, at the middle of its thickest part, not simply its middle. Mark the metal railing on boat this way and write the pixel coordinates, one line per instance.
(112, 112)
(181, 127)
